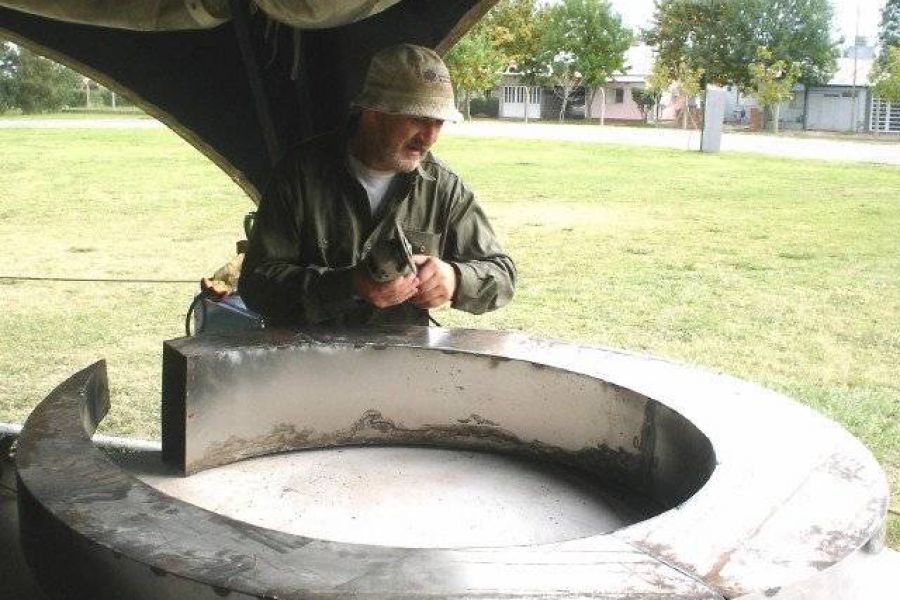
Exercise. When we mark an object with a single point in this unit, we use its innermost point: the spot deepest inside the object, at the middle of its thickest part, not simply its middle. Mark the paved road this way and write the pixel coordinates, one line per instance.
(827, 149)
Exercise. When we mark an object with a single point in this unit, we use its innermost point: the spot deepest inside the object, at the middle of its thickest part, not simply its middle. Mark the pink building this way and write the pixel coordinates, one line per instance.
(616, 102)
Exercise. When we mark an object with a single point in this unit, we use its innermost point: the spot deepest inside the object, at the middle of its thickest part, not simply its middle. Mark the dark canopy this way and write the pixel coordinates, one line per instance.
(247, 89)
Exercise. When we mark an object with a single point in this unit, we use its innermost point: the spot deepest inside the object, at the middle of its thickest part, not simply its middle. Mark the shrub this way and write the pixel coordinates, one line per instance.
(485, 107)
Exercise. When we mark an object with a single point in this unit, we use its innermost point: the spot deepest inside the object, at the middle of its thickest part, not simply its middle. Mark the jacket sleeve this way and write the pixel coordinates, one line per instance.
(275, 281)
(487, 275)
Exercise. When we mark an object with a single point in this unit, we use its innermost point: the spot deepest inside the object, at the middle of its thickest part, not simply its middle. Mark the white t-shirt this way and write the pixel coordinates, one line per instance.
(376, 183)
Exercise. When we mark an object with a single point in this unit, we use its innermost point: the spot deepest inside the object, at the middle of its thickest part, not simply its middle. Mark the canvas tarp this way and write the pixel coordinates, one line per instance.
(174, 15)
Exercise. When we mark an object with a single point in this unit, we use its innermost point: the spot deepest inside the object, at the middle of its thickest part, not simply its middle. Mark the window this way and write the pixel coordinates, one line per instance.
(620, 96)
(516, 94)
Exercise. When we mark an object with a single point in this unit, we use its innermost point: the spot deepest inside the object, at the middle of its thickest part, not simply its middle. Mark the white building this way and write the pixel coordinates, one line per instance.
(842, 104)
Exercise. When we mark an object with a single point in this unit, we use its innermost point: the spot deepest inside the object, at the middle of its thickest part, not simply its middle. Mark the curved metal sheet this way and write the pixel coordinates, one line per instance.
(773, 512)
(224, 401)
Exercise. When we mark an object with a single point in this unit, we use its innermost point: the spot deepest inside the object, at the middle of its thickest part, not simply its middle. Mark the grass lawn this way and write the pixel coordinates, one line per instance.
(782, 272)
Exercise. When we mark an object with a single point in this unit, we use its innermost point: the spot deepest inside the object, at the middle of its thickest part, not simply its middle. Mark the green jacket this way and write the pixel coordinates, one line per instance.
(314, 224)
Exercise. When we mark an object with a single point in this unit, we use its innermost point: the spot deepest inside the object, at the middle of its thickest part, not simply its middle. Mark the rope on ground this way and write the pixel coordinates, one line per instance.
(92, 280)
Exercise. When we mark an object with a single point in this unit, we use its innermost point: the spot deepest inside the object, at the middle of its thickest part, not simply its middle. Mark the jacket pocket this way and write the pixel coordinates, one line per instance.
(424, 242)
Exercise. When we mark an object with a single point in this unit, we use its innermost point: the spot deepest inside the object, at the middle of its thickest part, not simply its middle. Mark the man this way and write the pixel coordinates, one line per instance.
(335, 197)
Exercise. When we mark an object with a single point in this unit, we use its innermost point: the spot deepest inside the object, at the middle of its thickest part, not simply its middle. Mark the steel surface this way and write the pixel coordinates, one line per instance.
(773, 511)
(402, 496)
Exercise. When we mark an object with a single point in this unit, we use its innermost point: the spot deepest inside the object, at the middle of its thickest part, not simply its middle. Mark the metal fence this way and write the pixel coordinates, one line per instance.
(884, 116)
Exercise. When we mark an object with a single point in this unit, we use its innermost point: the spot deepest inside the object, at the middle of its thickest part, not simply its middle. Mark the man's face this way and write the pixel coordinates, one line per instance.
(396, 142)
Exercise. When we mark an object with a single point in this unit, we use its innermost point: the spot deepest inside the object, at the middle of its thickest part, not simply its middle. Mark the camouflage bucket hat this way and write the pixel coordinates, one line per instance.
(409, 80)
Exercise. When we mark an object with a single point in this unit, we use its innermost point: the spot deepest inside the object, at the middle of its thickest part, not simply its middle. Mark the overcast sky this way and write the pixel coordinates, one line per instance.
(637, 13)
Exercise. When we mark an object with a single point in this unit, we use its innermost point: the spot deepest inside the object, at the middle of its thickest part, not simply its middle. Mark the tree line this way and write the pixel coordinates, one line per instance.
(761, 47)
(886, 74)
(34, 84)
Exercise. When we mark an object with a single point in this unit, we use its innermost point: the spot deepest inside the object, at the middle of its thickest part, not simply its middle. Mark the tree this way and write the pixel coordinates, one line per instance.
(592, 34)
(694, 33)
(886, 76)
(44, 84)
(721, 37)
(9, 64)
(690, 84)
(658, 82)
(475, 65)
(563, 76)
(516, 28)
(645, 100)
(33, 83)
(773, 81)
(797, 32)
(889, 32)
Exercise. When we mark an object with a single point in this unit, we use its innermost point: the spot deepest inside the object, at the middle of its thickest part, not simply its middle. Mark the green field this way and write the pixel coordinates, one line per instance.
(782, 272)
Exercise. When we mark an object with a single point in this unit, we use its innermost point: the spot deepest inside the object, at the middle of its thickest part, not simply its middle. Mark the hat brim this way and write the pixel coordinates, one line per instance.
(428, 107)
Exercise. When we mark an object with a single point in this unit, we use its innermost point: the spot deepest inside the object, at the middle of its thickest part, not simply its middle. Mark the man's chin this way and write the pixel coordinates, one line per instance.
(407, 165)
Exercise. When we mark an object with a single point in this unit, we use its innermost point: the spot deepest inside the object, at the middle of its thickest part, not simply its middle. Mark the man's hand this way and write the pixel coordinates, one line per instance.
(384, 295)
(437, 281)
(214, 289)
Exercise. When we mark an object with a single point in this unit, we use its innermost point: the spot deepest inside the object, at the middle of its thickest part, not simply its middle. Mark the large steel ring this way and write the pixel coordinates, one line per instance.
(753, 491)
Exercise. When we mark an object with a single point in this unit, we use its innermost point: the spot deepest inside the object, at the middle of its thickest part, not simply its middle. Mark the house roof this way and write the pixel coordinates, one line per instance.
(638, 64)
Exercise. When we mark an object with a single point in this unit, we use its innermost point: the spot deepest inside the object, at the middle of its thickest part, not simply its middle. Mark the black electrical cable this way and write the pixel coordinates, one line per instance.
(197, 301)
(92, 280)
(190, 311)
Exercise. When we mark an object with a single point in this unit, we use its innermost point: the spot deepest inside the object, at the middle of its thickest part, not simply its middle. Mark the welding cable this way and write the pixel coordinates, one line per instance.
(91, 279)
(197, 301)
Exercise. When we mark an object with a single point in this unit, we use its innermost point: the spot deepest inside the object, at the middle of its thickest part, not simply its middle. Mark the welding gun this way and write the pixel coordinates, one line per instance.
(390, 257)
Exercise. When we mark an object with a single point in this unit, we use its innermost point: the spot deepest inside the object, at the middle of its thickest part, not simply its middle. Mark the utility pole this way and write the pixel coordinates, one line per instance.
(853, 98)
